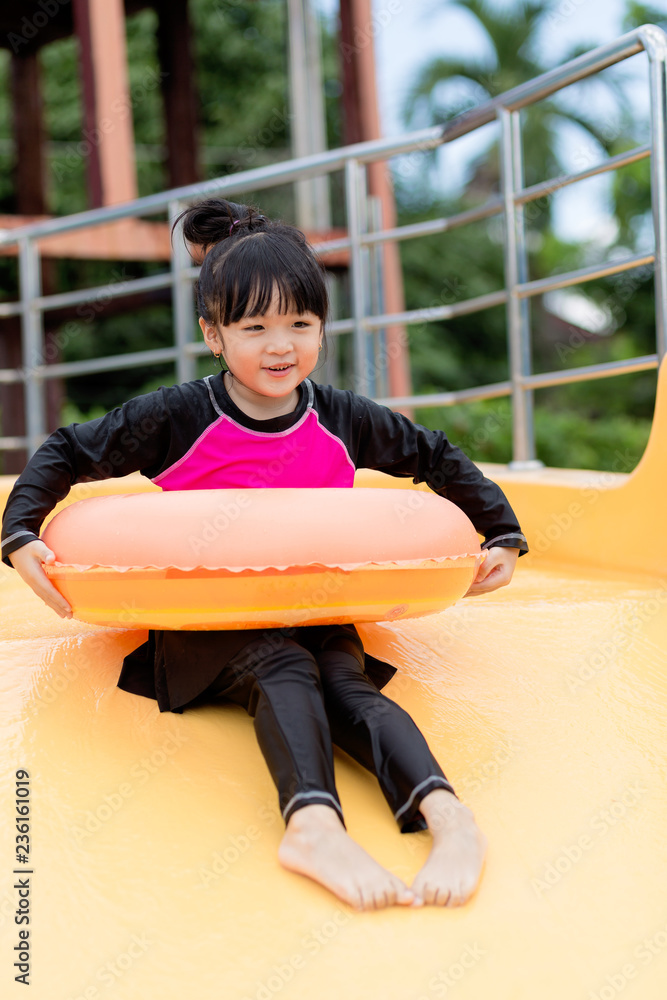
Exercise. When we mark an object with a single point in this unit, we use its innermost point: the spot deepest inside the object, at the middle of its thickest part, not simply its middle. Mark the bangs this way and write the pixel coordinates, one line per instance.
(249, 274)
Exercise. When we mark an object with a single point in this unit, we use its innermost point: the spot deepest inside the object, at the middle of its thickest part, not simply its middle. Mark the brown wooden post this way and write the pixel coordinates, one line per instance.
(362, 123)
(26, 99)
(178, 90)
(108, 135)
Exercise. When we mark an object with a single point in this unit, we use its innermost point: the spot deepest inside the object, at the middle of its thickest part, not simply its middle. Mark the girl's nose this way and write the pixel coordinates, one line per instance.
(281, 343)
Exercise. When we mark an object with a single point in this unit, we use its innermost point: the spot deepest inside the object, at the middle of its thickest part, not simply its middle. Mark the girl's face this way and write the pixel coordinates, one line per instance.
(269, 355)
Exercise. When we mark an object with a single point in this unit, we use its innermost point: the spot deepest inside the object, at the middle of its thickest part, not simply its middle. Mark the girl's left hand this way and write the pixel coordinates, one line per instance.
(496, 570)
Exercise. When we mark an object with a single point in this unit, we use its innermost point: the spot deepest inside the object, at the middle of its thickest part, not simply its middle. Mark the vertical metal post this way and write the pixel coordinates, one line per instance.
(658, 89)
(354, 181)
(32, 342)
(329, 369)
(182, 300)
(308, 118)
(378, 347)
(518, 314)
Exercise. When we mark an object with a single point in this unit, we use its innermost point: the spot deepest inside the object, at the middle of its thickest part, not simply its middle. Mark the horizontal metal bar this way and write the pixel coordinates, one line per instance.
(339, 326)
(10, 309)
(112, 290)
(246, 180)
(13, 443)
(546, 188)
(492, 391)
(584, 274)
(648, 36)
(331, 246)
(433, 226)
(556, 79)
(588, 372)
(10, 376)
(71, 369)
(496, 390)
(433, 313)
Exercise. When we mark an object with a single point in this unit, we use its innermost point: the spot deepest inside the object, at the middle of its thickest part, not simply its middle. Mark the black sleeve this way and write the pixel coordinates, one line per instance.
(391, 443)
(131, 438)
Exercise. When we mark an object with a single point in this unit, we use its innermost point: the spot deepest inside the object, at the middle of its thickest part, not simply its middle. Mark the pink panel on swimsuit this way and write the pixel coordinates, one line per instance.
(229, 456)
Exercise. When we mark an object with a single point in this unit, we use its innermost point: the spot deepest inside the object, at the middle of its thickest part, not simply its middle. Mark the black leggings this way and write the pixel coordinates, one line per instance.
(305, 695)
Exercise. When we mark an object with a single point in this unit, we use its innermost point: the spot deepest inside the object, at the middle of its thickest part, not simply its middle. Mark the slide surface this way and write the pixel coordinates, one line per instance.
(153, 838)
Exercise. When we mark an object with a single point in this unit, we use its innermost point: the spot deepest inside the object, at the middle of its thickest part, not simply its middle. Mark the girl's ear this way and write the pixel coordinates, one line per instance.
(211, 336)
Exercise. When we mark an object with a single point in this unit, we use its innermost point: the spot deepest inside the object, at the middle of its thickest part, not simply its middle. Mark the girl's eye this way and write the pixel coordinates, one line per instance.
(302, 322)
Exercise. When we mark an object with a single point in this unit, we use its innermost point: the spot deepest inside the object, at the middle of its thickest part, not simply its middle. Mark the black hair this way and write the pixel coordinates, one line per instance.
(248, 258)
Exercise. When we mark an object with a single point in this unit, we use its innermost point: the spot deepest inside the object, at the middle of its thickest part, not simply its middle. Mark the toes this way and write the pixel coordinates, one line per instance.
(356, 899)
(428, 893)
(380, 900)
(406, 897)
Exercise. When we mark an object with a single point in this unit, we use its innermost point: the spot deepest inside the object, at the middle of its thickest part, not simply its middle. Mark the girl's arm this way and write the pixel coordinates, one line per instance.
(390, 442)
(131, 438)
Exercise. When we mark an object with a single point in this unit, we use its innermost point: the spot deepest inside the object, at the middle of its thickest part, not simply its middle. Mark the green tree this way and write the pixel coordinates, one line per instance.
(468, 262)
(448, 86)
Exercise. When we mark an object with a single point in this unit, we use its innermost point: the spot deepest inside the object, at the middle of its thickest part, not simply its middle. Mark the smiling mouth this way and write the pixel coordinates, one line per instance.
(279, 368)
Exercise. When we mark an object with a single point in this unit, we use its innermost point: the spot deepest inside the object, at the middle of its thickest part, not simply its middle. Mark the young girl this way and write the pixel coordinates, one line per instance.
(262, 423)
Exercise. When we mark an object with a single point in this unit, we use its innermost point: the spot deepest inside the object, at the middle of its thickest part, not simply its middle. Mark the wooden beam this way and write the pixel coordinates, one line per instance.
(108, 132)
(134, 239)
(308, 121)
(178, 91)
(28, 129)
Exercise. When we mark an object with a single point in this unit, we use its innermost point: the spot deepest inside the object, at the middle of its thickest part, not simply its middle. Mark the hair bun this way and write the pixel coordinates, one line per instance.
(210, 221)
(248, 223)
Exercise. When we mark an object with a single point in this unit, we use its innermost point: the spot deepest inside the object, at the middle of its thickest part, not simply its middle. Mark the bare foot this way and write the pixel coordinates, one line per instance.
(316, 844)
(453, 868)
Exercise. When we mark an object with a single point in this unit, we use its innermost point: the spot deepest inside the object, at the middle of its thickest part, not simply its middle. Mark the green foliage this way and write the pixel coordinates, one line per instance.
(448, 86)
(564, 437)
(580, 425)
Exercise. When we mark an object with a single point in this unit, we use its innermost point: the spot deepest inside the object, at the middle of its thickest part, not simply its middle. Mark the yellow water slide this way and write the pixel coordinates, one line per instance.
(153, 838)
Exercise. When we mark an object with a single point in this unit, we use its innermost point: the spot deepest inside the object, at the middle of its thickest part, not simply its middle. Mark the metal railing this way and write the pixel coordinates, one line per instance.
(361, 242)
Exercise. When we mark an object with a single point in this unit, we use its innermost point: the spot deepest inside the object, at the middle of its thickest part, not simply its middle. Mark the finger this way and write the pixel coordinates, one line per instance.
(37, 579)
(497, 578)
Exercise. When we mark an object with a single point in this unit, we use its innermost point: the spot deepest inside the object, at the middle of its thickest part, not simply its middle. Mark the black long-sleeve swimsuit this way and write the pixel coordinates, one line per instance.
(192, 436)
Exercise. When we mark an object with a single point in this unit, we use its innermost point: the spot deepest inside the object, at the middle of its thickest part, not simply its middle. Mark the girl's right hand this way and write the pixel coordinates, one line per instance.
(27, 561)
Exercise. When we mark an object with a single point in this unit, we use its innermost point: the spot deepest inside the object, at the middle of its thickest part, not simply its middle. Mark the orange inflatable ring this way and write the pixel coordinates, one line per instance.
(223, 559)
